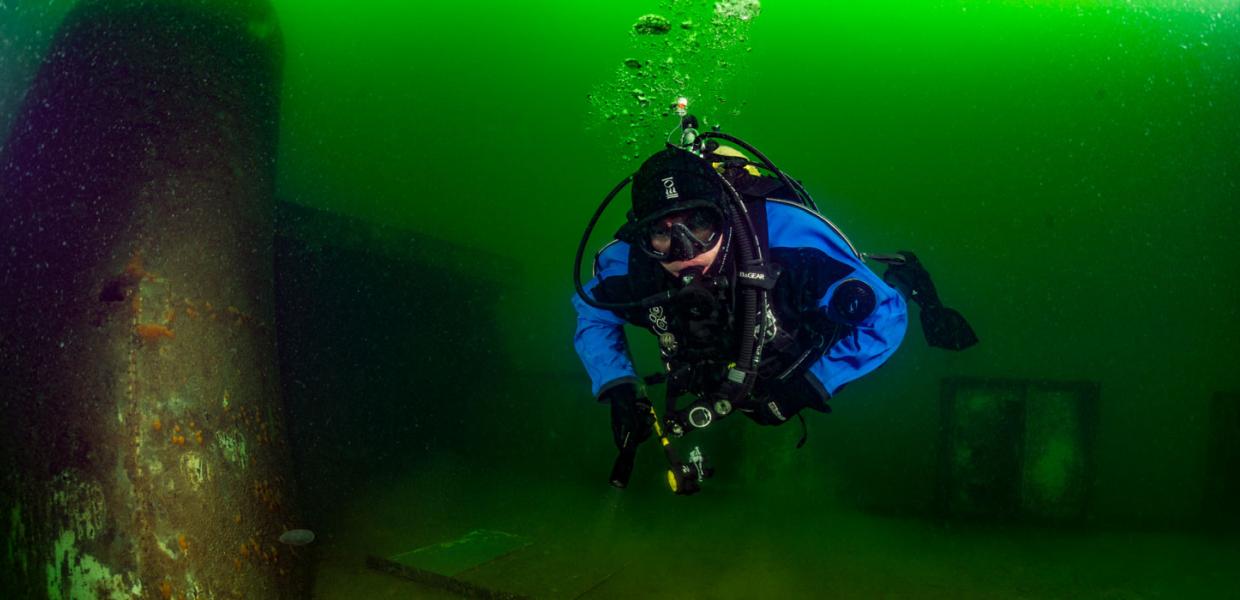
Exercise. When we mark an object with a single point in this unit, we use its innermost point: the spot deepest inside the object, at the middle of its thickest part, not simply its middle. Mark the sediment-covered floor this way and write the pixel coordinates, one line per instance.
(591, 541)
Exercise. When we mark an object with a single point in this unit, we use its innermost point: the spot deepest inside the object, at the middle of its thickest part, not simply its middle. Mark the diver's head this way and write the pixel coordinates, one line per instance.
(677, 216)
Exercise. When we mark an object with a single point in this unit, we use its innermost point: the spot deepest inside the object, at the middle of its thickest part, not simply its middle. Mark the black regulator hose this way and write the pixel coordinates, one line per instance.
(749, 251)
(585, 239)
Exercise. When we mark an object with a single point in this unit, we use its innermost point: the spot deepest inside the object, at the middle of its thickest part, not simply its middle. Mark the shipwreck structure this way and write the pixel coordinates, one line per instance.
(144, 453)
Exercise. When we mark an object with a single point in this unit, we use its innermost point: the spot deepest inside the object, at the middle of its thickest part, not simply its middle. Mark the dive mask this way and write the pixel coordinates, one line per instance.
(681, 235)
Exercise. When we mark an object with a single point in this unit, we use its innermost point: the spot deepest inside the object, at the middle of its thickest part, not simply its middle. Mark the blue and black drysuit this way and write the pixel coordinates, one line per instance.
(817, 345)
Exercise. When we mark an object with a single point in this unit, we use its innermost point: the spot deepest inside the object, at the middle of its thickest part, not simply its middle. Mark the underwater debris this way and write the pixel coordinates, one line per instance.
(297, 537)
(652, 25)
(633, 63)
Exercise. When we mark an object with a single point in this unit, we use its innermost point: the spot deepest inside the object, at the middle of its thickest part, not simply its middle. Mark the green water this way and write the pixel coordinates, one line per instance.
(1069, 171)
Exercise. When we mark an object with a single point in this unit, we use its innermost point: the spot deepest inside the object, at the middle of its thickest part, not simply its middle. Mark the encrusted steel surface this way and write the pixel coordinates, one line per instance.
(148, 457)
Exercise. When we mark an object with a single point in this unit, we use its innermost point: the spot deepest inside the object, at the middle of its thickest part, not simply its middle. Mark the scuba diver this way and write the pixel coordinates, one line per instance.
(759, 304)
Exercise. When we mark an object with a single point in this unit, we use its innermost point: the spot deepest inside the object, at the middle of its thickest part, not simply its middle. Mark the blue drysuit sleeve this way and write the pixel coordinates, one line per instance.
(875, 338)
(600, 339)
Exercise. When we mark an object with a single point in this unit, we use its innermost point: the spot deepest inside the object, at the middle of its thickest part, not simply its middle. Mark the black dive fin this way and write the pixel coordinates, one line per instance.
(912, 280)
(943, 327)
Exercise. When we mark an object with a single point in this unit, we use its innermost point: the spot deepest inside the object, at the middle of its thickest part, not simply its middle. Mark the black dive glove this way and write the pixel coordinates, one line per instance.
(630, 417)
(784, 401)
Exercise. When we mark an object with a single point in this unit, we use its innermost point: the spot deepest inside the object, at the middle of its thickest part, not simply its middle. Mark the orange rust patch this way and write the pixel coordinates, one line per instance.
(151, 332)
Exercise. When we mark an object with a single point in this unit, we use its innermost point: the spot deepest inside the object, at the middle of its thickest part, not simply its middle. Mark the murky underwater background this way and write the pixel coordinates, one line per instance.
(1067, 170)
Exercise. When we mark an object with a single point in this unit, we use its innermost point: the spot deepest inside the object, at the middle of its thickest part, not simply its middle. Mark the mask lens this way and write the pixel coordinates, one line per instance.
(701, 224)
(660, 239)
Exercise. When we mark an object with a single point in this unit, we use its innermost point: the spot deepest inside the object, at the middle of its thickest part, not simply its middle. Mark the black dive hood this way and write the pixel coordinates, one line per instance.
(670, 182)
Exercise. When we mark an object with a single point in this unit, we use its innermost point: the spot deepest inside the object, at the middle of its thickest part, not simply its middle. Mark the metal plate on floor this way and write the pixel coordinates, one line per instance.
(559, 570)
(455, 556)
(494, 565)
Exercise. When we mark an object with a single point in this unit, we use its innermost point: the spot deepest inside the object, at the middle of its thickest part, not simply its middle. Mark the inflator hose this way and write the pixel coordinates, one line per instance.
(750, 255)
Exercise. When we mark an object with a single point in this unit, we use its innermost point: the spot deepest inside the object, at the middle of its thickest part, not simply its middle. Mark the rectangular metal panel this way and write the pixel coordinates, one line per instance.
(981, 447)
(1016, 448)
(1057, 466)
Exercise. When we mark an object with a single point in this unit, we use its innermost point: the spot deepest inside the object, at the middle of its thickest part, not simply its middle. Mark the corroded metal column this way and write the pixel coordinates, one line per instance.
(143, 451)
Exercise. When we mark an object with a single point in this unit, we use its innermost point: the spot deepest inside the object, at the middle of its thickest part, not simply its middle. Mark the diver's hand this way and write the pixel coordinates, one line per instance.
(630, 417)
(772, 410)
(783, 402)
